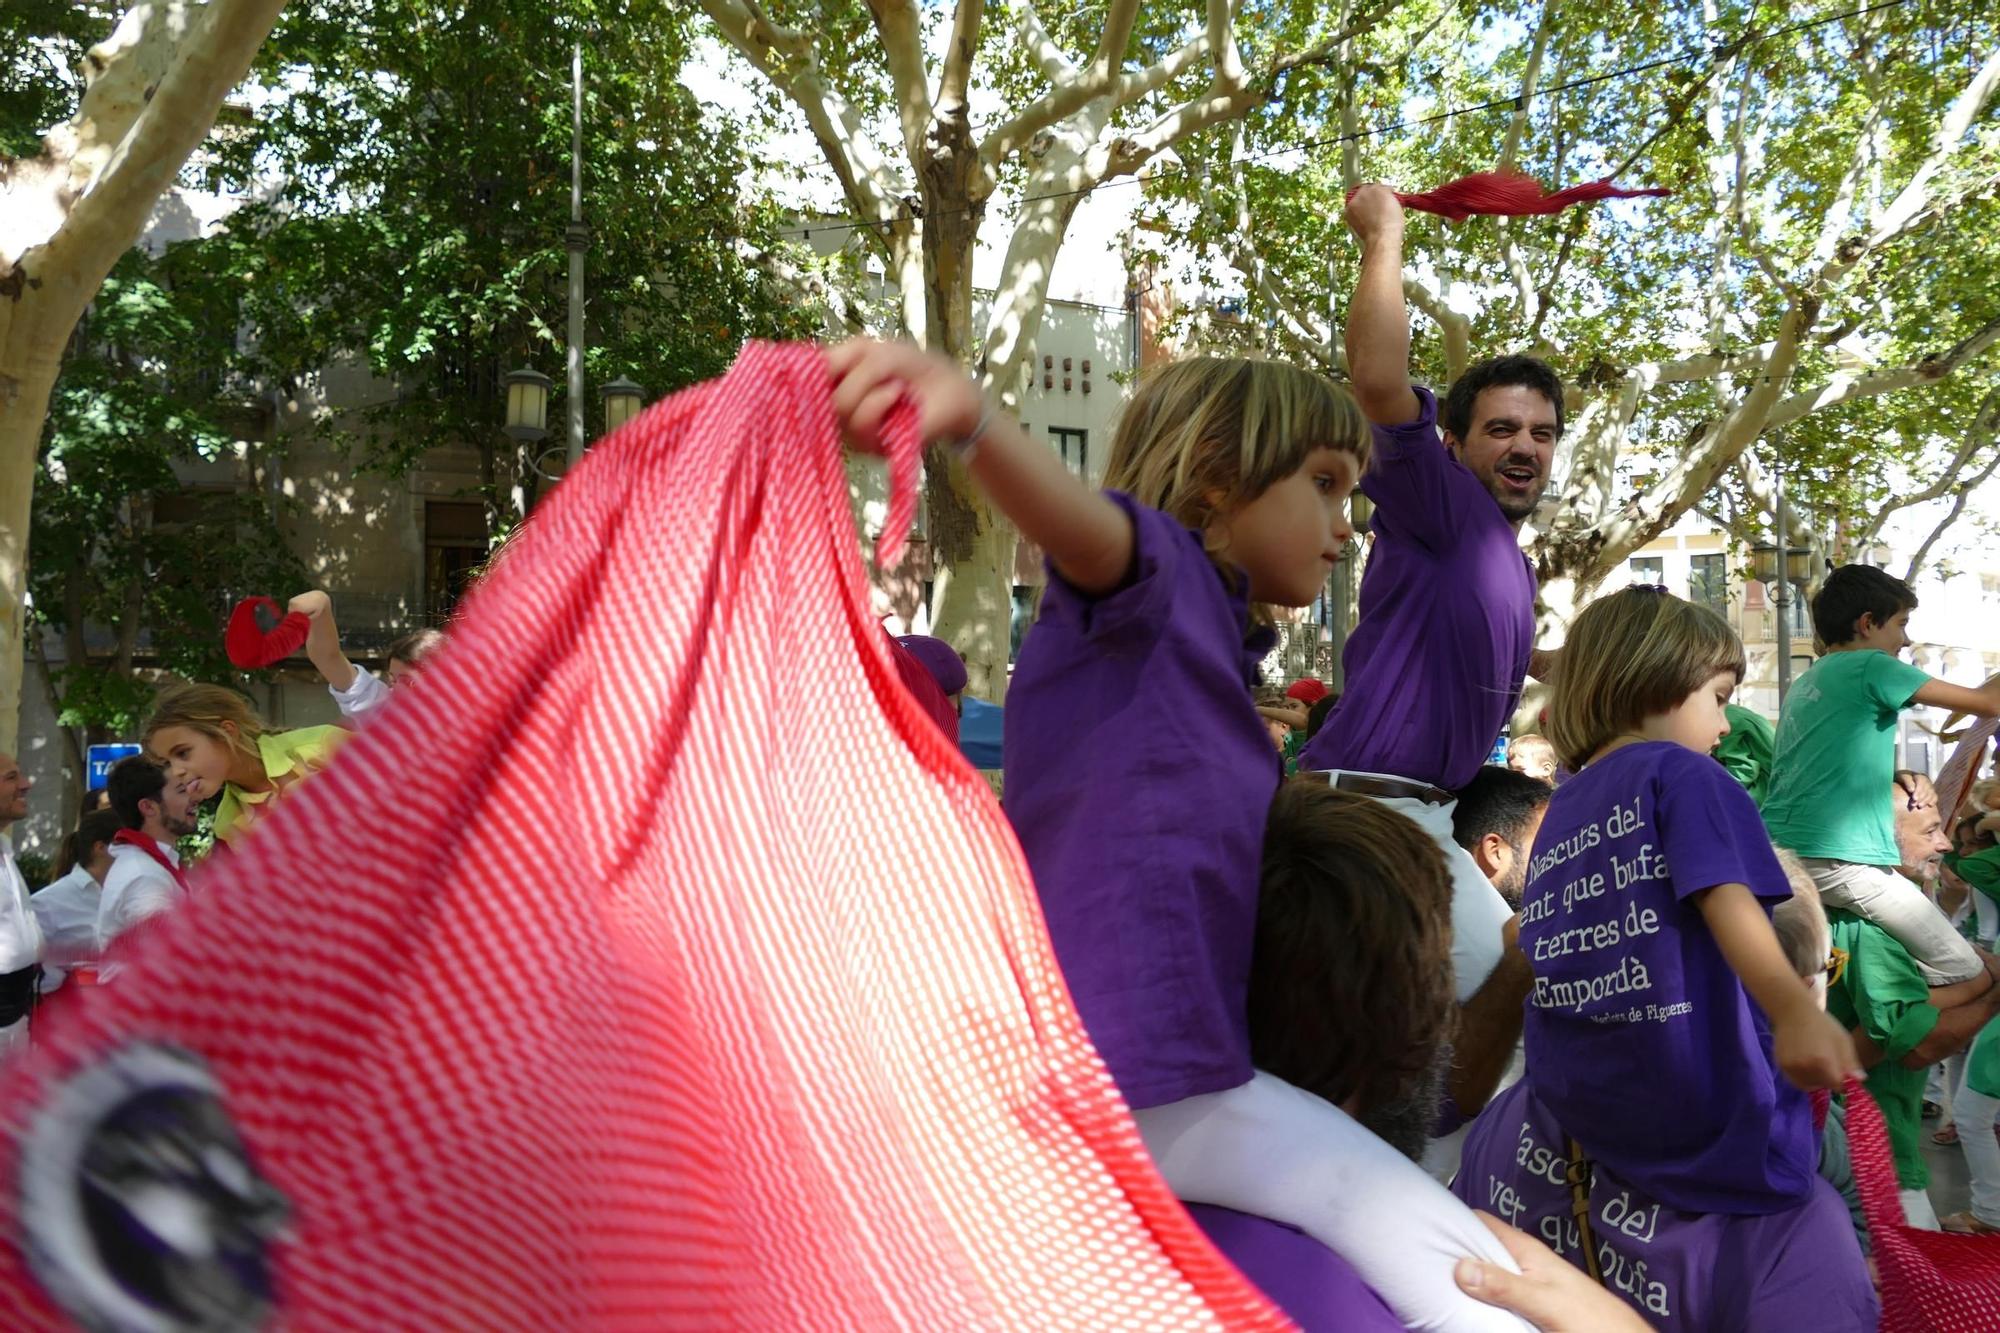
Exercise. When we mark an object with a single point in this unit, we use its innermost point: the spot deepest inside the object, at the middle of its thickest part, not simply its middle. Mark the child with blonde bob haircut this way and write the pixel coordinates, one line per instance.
(1647, 920)
(209, 738)
(1138, 774)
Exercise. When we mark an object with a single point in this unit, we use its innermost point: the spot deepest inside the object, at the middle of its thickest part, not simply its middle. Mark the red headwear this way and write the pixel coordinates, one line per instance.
(247, 643)
(1510, 194)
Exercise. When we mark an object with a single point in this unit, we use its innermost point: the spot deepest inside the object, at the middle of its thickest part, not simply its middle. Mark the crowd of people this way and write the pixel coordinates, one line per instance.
(1421, 1040)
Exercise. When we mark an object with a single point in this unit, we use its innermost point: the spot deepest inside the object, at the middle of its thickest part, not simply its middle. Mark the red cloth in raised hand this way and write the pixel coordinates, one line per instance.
(250, 647)
(1932, 1281)
(1510, 194)
(785, 1046)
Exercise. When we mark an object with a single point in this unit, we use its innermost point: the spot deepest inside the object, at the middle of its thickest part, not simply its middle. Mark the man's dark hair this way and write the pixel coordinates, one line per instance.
(1350, 974)
(1498, 372)
(132, 781)
(1854, 591)
(1497, 800)
(1316, 715)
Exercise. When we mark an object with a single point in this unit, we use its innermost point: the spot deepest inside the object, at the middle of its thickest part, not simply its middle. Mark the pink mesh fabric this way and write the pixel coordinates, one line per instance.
(1932, 1281)
(1511, 194)
(596, 986)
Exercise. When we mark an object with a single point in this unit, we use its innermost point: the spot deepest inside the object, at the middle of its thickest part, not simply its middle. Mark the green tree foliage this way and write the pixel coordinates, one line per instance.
(422, 155)
(127, 561)
(1822, 285)
(43, 41)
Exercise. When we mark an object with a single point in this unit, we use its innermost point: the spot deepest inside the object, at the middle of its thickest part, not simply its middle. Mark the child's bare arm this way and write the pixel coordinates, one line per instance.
(1961, 699)
(1087, 537)
(323, 639)
(1810, 1047)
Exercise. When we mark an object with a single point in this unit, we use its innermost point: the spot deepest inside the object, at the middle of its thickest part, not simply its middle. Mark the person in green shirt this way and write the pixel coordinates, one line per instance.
(1835, 753)
(1902, 1027)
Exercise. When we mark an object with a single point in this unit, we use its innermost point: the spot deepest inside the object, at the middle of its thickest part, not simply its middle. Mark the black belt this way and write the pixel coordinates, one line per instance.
(17, 994)
(1363, 784)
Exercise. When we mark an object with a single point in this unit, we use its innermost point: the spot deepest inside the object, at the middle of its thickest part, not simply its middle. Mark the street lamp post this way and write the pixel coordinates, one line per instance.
(622, 401)
(577, 238)
(527, 406)
(1775, 562)
(1341, 591)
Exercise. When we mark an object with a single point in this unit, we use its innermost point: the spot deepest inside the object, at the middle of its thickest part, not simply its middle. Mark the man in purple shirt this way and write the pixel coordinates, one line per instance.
(1447, 627)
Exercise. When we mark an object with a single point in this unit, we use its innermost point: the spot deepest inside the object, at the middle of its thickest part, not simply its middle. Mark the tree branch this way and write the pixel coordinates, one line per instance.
(1510, 149)
(1056, 67)
(1843, 388)
(1223, 56)
(1914, 207)
(1131, 87)
(1910, 203)
(1455, 328)
(1244, 255)
(1985, 421)
(177, 112)
(957, 76)
(1075, 89)
(1965, 491)
(1714, 450)
(863, 173)
(900, 27)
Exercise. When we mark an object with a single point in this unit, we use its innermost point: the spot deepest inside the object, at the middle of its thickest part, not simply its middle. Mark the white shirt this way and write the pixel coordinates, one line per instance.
(135, 888)
(20, 933)
(67, 913)
(363, 695)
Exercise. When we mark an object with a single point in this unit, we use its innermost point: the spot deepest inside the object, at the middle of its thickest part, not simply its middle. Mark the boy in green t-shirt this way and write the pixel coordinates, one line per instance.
(1836, 754)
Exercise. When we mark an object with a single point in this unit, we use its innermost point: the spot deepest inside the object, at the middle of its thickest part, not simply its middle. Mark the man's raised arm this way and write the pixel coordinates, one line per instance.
(1378, 325)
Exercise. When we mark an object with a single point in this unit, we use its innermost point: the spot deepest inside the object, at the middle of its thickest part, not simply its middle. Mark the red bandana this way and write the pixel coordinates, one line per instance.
(131, 837)
(1510, 194)
(250, 647)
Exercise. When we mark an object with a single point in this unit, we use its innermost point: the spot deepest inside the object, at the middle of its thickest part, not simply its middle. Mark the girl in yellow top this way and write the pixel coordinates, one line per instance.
(210, 738)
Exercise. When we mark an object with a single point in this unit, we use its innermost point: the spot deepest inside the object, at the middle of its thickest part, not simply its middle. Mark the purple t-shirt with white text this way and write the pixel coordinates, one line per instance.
(1434, 665)
(1138, 778)
(1686, 1272)
(1639, 1037)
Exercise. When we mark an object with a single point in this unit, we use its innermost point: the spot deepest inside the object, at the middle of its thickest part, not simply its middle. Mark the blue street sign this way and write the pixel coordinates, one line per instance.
(102, 757)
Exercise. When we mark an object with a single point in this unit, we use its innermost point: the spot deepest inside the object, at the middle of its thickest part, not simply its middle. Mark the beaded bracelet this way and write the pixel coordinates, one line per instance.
(964, 448)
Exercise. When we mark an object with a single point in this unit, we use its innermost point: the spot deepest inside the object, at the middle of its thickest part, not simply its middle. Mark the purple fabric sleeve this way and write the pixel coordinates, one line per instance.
(1711, 831)
(1135, 612)
(1411, 479)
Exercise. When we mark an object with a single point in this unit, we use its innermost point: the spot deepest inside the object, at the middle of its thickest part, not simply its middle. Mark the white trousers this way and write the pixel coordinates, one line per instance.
(1975, 1113)
(1899, 907)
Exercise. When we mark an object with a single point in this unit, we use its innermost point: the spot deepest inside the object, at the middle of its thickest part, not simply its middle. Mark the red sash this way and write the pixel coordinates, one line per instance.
(131, 837)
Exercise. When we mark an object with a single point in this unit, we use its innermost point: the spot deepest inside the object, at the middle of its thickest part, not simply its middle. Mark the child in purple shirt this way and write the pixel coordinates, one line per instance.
(1666, 1028)
(1138, 774)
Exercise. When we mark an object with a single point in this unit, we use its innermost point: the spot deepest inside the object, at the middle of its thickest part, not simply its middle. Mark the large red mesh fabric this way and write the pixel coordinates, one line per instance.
(1932, 1281)
(597, 986)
